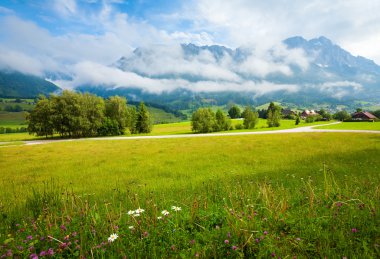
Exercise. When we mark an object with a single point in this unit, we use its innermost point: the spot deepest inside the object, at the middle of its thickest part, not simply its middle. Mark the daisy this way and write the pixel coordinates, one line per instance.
(131, 212)
(159, 218)
(139, 210)
(131, 227)
(165, 212)
(175, 208)
(112, 238)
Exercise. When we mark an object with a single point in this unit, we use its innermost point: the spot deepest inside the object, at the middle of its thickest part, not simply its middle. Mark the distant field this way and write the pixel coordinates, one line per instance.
(179, 128)
(12, 119)
(353, 126)
(290, 195)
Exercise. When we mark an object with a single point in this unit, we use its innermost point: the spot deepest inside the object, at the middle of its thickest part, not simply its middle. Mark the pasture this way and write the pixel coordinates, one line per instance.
(353, 126)
(303, 195)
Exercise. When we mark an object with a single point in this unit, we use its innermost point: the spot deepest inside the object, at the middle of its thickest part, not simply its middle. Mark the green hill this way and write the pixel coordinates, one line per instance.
(18, 85)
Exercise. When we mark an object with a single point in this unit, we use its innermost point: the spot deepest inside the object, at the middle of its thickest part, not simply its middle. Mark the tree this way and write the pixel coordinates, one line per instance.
(131, 119)
(40, 119)
(143, 120)
(376, 113)
(92, 116)
(251, 118)
(342, 115)
(359, 109)
(234, 112)
(273, 115)
(203, 120)
(222, 122)
(67, 114)
(298, 120)
(116, 109)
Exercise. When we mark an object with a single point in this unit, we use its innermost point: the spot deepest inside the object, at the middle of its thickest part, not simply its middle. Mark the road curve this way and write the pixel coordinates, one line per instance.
(307, 129)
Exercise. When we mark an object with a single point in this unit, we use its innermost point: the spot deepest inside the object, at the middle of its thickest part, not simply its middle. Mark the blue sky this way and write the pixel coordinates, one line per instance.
(67, 36)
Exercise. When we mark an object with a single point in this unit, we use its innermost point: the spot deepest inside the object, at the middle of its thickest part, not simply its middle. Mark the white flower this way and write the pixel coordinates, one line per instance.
(131, 212)
(136, 215)
(165, 212)
(139, 210)
(112, 237)
(159, 218)
(131, 227)
(175, 208)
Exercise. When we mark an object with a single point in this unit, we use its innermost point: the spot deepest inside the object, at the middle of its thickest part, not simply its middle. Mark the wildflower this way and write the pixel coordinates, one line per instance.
(257, 240)
(175, 208)
(63, 227)
(226, 241)
(234, 247)
(172, 247)
(265, 232)
(43, 253)
(354, 230)
(339, 204)
(112, 237)
(139, 211)
(33, 256)
(165, 212)
(273, 254)
(159, 217)
(29, 237)
(298, 239)
(131, 212)
(9, 253)
(136, 215)
(50, 252)
(228, 234)
(131, 227)
(146, 234)
(192, 242)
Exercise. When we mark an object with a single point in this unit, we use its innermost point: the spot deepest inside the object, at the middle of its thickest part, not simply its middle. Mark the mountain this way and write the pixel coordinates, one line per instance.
(299, 71)
(18, 85)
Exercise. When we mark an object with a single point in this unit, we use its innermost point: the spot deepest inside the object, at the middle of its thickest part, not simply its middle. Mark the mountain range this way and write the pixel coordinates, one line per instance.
(296, 71)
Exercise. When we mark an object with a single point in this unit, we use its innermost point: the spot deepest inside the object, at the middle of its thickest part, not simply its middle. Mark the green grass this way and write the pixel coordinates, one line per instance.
(12, 119)
(177, 128)
(160, 116)
(304, 195)
(353, 126)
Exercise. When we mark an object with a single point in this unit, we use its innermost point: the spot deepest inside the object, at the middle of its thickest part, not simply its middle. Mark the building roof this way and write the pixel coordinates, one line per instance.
(364, 114)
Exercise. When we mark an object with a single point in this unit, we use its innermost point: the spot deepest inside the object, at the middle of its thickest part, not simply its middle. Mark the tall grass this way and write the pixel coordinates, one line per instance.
(306, 195)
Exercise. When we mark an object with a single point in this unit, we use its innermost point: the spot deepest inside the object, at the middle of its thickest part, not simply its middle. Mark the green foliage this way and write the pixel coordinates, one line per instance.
(342, 115)
(298, 119)
(234, 112)
(40, 119)
(313, 118)
(203, 121)
(251, 118)
(239, 126)
(376, 113)
(325, 115)
(116, 110)
(273, 115)
(222, 122)
(80, 115)
(143, 120)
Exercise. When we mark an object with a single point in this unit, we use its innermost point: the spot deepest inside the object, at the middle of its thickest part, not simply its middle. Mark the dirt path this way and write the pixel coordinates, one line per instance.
(285, 131)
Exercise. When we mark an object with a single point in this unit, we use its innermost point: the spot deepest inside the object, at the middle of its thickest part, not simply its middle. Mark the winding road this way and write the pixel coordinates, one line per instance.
(307, 129)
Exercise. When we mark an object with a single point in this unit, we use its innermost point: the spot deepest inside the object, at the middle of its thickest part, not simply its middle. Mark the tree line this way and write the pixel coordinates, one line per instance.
(204, 120)
(86, 115)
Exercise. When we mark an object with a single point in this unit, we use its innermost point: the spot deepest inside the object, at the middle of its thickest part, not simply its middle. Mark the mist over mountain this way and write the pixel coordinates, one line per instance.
(299, 71)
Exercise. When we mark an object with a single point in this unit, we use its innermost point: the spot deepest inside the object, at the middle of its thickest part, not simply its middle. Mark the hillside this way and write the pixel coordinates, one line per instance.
(18, 85)
(299, 71)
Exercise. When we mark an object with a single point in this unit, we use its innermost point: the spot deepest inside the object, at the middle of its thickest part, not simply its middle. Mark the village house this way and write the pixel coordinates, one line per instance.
(307, 113)
(363, 116)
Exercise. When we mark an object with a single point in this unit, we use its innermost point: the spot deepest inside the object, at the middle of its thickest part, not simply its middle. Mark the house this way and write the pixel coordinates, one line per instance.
(286, 113)
(363, 116)
(307, 113)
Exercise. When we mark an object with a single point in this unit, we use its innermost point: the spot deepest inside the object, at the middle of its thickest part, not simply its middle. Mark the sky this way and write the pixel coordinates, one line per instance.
(71, 37)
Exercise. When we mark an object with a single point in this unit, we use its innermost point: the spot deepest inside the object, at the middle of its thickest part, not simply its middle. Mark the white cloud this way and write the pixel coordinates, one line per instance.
(4, 10)
(354, 25)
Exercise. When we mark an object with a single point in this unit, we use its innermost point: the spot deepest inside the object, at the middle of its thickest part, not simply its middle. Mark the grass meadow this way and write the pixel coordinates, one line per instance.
(353, 126)
(178, 128)
(291, 196)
